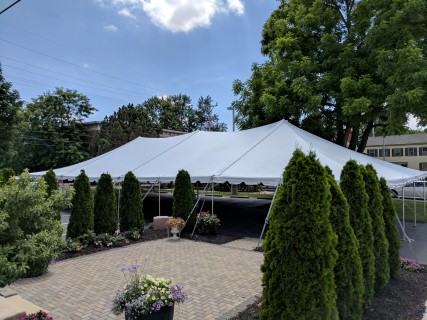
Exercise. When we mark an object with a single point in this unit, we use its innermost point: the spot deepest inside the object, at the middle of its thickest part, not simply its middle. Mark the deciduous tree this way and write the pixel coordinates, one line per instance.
(339, 68)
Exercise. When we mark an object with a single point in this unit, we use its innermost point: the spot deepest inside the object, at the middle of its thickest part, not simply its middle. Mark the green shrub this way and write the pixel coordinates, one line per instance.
(105, 214)
(391, 231)
(375, 208)
(131, 215)
(81, 218)
(184, 197)
(348, 269)
(30, 234)
(300, 255)
(208, 223)
(5, 175)
(353, 187)
(51, 181)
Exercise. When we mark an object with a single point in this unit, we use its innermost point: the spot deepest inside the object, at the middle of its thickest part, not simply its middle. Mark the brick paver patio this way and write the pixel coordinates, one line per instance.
(221, 280)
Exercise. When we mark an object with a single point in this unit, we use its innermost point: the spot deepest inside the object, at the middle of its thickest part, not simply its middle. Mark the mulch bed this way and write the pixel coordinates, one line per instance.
(403, 298)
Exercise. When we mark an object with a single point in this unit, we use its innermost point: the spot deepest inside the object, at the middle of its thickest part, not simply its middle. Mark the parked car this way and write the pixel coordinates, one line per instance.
(417, 189)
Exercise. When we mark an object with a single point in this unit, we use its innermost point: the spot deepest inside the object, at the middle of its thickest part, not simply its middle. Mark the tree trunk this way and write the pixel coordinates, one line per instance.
(365, 136)
(354, 138)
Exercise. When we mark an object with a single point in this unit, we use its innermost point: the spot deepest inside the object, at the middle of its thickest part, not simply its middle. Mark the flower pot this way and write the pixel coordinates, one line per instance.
(165, 313)
(175, 231)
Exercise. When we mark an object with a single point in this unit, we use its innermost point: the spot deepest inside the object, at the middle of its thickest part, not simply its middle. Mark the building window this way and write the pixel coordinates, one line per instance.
(423, 151)
(397, 152)
(403, 164)
(410, 152)
(386, 152)
(372, 152)
(423, 166)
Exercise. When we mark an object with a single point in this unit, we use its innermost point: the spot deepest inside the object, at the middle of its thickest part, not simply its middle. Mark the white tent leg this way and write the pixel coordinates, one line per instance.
(118, 208)
(266, 219)
(213, 186)
(415, 207)
(403, 211)
(159, 198)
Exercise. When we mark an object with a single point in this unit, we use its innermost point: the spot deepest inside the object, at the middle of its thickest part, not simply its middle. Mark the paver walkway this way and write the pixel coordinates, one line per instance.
(220, 280)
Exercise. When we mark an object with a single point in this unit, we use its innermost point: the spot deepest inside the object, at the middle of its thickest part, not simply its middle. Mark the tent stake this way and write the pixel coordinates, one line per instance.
(266, 219)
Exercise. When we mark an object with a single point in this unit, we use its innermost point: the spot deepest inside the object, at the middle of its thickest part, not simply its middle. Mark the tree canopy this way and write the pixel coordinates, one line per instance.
(53, 134)
(10, 108)
(339, 68)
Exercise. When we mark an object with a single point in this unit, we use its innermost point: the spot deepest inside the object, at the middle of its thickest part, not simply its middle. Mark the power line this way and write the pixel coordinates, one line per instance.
(78, 66)
(66, 75)
(7, 8)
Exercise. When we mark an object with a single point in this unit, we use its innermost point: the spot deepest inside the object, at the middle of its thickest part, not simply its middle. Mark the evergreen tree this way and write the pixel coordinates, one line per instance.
(52, 183)
(300, 255)
(131, 215)
(183, 197)
(375, 208)
(353, 187)
(81, 218)
(348, 269)
(391, 231)
(105, 215)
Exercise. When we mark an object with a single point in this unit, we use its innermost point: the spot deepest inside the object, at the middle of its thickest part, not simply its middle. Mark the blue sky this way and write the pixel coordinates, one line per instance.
(125, 51)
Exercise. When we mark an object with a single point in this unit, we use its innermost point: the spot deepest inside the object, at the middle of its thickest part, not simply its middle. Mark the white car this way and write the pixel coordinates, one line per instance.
(411, 190)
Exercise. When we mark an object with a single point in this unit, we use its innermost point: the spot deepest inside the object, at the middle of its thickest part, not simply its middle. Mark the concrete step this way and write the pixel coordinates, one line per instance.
(13, 306)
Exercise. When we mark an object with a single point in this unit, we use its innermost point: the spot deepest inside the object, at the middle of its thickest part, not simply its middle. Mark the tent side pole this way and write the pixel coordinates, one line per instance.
(268, 215)
(118, 208)
(403, 209)
(159, 198)
(415, 208)
(213, 186)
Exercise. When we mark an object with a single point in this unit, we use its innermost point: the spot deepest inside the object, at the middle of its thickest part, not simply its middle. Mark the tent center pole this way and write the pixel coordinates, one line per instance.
(213, 186)
(403, 210)
(415, 208)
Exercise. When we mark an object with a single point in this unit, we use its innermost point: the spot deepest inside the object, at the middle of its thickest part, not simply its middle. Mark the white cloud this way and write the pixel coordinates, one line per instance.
(176, 15)
(111, 28)
(125, 12)
(86, 65)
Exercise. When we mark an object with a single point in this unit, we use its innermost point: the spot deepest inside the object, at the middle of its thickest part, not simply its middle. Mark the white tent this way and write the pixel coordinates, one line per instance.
(252, 156)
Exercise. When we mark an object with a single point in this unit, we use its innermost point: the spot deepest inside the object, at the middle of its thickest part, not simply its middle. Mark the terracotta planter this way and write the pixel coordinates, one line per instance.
(165, 313)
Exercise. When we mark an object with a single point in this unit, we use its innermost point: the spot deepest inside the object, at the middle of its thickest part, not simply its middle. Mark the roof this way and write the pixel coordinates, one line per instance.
(253, 156)
(407, 139)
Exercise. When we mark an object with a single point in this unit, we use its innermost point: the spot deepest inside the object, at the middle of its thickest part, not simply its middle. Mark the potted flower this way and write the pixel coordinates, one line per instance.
(208, 223)
(145, 297)
(175, 225)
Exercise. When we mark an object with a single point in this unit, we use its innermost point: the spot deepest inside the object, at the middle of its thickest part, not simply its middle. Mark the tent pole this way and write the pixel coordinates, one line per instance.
(266, 219)
(403, 209)
(118, 208)
(159, 198)
(415, 208)
(213, 186)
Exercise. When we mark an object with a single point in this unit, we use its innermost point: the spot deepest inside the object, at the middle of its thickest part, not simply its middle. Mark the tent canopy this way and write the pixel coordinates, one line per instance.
(253, 156)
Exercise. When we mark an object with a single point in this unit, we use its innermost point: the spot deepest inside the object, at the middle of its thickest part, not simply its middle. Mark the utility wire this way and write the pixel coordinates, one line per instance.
(73, 77)
(7, 8)
(78, 66)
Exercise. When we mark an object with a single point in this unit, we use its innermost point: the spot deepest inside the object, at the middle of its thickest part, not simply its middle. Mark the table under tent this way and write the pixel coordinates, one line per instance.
(254, 156)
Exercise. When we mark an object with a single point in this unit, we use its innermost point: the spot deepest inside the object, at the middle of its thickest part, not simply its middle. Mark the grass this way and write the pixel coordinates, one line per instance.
(409, 210)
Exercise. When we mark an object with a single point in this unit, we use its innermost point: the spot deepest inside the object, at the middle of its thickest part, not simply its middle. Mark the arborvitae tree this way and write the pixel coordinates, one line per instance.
(375, 208)
(5, 175)
(131, 215)
(348, 269)
(183, 196)
(353, 187)
(391, 231)
(51, 182)
(81, 218)
(300, 255)
(105, 215)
